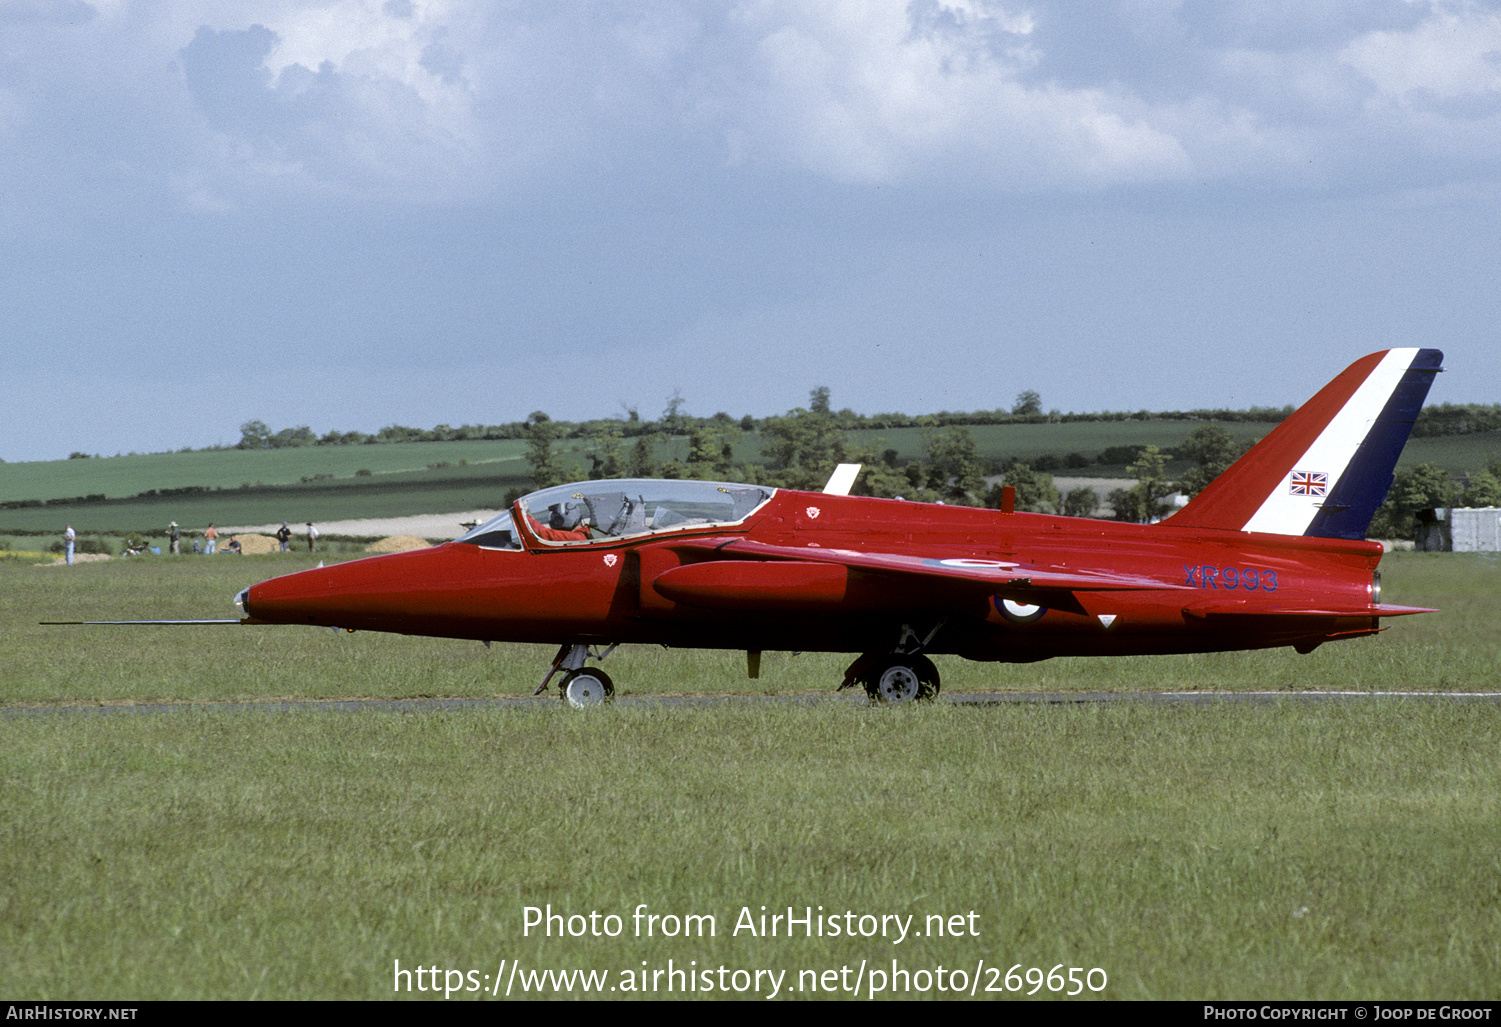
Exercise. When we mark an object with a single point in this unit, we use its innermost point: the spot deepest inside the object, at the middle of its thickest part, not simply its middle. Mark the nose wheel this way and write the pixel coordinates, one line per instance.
(585, 688)
(581, 686)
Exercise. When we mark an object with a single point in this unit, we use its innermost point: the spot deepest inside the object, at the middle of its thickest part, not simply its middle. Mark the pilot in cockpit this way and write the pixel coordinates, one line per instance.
(565, 523)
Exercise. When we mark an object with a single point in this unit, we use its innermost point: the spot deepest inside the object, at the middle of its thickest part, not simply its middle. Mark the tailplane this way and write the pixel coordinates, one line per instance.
(1324, 470)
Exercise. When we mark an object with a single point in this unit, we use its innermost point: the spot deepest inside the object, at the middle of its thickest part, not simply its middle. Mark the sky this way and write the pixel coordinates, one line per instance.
(353, 213)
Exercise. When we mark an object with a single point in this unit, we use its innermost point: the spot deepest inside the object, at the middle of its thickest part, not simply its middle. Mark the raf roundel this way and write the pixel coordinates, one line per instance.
(1019, 613)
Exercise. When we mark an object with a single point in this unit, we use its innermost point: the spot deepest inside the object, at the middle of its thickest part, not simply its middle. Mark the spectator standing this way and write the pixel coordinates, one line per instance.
(69, 537)
(210, 539)
(174, 539)
(312, 536)
(284, 537)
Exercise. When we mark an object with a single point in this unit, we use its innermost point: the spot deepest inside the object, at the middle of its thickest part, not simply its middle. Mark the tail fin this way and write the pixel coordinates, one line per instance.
(1324, 470)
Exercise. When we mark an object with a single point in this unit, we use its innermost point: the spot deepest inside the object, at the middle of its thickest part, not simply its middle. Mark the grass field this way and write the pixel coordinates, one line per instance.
(395, 495)
(230, 468)
(1242, 851)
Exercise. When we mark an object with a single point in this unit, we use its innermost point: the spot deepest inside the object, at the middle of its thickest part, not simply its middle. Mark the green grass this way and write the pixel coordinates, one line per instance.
(393, 494)
(1226, 852)
(1236, 851)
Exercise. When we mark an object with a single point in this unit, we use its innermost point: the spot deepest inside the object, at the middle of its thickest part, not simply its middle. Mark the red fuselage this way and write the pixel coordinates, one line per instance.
(793, 575)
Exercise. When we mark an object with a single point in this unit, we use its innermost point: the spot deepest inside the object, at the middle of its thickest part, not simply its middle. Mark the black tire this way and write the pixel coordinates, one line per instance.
(902, 679)
(927, 675)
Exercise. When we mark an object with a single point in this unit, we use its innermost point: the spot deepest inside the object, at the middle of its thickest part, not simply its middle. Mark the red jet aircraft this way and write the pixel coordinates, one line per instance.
(1272, 553)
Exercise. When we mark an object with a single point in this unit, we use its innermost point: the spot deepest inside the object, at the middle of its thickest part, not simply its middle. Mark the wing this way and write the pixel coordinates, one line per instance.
(997, 576)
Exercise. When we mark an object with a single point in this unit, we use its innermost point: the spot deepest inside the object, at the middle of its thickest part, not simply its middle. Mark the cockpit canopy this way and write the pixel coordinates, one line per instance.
(592, 511)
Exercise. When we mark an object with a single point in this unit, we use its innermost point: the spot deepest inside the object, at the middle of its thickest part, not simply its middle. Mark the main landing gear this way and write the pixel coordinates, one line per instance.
(581, 687)
(902, 675)
(894, 677)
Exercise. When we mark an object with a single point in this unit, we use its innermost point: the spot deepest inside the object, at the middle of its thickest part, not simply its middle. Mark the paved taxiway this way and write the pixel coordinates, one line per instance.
(957, 699)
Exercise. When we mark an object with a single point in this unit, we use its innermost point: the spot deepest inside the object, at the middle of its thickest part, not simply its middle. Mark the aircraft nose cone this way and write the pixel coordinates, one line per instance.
(382, 593)
(320, 596)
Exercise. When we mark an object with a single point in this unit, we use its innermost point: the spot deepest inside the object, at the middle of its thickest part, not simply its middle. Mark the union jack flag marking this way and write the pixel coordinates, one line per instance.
(1309, 483)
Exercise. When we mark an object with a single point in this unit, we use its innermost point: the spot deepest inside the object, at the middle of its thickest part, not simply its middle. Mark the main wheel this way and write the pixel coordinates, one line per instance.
(894, 681)
(587, 687)
(901, 679)
(927, 674)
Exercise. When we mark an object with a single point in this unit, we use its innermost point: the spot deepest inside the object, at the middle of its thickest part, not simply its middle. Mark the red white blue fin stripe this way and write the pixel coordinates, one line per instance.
(1325, 470)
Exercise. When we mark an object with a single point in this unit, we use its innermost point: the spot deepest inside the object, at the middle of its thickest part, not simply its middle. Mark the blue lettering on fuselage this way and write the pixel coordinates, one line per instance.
(1249, 579)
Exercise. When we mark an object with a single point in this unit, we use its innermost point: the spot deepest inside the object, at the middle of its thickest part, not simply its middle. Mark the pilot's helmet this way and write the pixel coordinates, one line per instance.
(564, 516)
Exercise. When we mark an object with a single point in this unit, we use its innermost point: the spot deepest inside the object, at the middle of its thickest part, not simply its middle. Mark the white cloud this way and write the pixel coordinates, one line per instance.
(1456, 52)
(440, 100)
(877, 93)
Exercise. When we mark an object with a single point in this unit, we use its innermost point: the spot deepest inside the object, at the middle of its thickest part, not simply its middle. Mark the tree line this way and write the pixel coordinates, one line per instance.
(1432, 421)
(801, 448)
(674, 421)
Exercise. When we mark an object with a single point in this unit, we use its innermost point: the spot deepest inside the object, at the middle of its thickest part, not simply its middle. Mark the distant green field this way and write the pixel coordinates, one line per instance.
(393, 494)
(116, 477)
(1454, 453)
(120, 476)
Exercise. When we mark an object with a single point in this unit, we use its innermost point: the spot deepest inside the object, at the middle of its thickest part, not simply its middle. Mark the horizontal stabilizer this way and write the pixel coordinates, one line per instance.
(1247, 609)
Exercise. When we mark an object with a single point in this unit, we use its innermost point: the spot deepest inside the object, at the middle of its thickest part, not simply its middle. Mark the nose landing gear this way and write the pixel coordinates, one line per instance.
(584, 688)
(581, 687)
